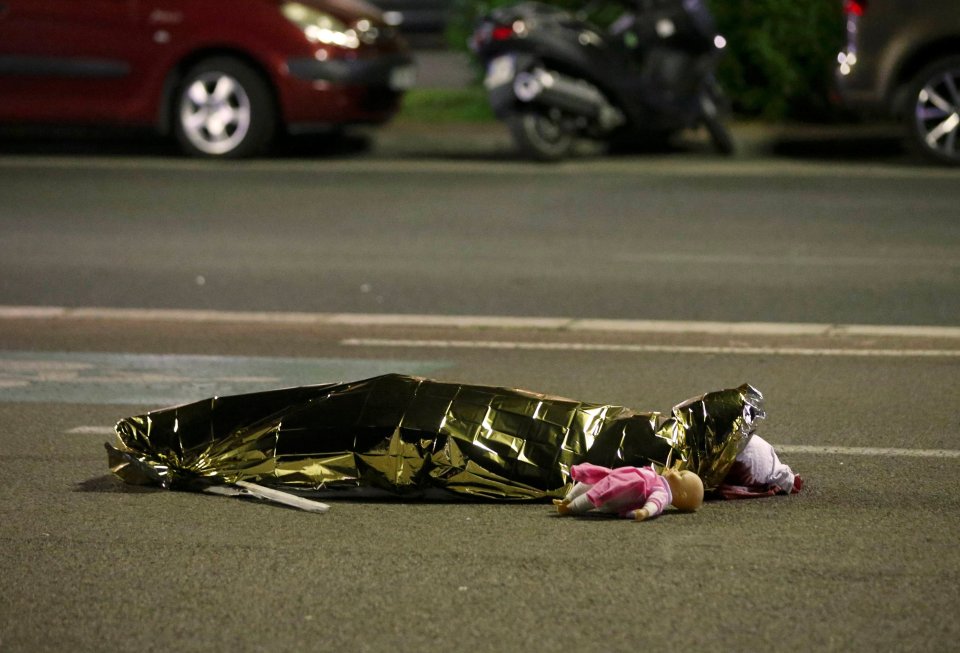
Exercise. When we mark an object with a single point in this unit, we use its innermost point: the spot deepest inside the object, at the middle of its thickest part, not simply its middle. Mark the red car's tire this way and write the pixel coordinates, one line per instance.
(224, 108)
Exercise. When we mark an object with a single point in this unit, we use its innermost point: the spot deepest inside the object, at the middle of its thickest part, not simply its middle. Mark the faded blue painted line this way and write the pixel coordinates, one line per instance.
(164, 379)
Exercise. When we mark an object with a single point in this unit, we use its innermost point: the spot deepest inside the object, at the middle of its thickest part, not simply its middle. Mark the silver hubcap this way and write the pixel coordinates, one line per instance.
(938, 113)
(215, 113)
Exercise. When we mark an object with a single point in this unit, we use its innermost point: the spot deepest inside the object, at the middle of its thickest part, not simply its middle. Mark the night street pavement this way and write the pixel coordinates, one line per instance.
(132, 280)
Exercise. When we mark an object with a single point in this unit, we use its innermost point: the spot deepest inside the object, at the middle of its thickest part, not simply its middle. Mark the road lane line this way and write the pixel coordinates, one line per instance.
(91, 430)
(649, 349)
(677, 327)
(867, 451)
(881, 452)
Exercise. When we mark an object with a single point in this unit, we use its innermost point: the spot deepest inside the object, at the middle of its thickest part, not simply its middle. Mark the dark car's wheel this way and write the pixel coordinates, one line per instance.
(224, 108)
(933, 117)
(539, 135)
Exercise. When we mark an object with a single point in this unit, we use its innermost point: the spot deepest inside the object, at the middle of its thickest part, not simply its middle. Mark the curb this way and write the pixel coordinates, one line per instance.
(868, 141)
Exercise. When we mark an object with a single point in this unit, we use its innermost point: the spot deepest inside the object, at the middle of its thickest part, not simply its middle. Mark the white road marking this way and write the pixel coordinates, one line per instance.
(883, 452)
(91, 430)
(867, 451)
(166, 379)
(853, 260)
(650, 349)
(678, 327)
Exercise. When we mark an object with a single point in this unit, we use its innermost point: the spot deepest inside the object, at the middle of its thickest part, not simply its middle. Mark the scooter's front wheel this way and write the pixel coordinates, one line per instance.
(539, 135)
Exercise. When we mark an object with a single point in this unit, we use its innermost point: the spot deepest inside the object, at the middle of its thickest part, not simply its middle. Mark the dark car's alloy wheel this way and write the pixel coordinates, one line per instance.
(935, 121)
(224, 109)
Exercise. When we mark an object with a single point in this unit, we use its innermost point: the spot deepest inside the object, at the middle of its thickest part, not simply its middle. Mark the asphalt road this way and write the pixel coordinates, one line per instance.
(686, 235)
(865, 558)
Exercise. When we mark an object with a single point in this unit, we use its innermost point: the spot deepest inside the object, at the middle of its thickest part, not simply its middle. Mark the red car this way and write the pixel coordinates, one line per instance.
(224, 76)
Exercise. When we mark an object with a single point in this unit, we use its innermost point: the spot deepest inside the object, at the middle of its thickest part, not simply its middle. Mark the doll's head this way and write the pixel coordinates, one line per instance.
(686, 487)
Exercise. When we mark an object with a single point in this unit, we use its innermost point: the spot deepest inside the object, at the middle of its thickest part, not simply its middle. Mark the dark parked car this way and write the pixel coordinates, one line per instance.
(423, 21)
(903, 58)
(224, 76)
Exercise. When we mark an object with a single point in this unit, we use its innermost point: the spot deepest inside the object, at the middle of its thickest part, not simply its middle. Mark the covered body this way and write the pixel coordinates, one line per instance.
(408, 435)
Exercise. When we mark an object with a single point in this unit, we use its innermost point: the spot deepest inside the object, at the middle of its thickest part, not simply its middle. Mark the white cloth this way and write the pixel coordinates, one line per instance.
(763, 466)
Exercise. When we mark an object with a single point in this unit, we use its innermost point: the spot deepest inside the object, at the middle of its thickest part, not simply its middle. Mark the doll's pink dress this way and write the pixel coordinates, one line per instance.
(625, 489)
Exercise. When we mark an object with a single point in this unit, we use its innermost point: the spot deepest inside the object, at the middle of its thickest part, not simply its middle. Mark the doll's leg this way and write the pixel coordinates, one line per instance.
(580, 504)
(577, 492)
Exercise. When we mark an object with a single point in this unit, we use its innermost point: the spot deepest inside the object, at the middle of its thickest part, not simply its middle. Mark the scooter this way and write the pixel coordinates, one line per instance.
(554, 77)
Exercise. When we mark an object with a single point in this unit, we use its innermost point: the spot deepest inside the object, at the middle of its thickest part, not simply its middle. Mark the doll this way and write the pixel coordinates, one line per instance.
(631, 492)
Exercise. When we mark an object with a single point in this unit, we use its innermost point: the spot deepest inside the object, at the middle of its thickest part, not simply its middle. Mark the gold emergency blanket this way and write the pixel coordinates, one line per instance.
(408, 435)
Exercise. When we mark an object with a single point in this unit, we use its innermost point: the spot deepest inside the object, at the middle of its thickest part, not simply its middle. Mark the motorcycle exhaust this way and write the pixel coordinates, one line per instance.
(568, 94)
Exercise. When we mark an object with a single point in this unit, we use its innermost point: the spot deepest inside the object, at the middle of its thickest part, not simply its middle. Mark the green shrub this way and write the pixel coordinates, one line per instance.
(780, 54)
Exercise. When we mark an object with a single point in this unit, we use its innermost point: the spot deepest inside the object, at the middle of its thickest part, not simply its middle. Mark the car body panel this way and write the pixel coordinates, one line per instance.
(889, 42)
(117, 61)
(84, 58)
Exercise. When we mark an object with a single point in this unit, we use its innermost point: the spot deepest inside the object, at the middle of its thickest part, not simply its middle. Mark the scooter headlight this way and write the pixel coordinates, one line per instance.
(320, 27)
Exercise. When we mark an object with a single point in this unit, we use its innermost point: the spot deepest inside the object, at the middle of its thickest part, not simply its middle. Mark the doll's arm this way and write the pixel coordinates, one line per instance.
(649, 510)
(653, 507)
(639, 514)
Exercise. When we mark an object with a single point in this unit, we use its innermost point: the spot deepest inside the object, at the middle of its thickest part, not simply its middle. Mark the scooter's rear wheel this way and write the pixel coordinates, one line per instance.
(711, 100)
(720, 135)
(539, 135)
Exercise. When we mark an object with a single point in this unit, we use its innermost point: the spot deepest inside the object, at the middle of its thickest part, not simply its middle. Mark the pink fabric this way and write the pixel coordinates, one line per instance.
(624, 489)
